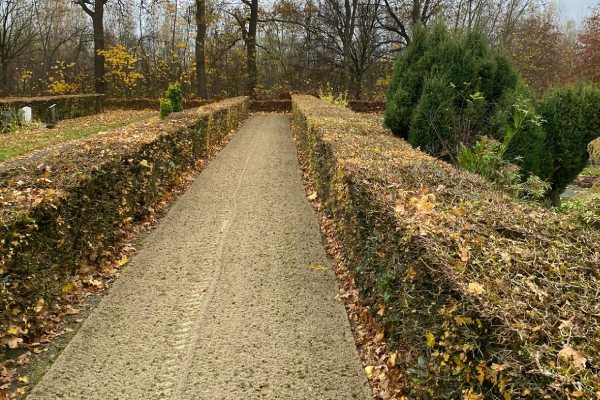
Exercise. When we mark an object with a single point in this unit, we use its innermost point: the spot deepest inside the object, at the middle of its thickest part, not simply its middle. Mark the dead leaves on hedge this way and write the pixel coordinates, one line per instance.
(529, 276)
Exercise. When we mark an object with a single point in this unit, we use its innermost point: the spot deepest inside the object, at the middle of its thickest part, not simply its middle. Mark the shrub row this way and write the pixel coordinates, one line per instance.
(366, 106)
(68, 106)
(488, 298)
(148, 104)
(282, 106)
(67, 207)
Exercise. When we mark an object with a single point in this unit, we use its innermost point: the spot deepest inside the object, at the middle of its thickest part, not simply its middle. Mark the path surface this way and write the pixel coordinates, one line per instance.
(221, 302)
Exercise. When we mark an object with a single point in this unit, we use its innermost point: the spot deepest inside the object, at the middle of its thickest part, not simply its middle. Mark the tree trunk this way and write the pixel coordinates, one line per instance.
(346, 43)
(251, 49)
(5, 77)
(200, 54)
(99, 62)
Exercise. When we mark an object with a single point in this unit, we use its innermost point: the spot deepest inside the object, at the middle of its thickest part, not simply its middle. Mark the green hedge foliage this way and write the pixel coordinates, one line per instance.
(449, 89)
(174, 94)
(69, 207)
(444, 89)
(571, 122)
(486, 297)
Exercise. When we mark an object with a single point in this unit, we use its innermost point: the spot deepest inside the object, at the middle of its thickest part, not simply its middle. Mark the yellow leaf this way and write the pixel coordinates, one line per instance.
(577, 394)
(123, 261)
(313, 196)
(430, 339)
(475, 288)
(369, 371)
(379, 337)
(24, 379)
(39, 306)
(68, 288)
(317, 267)
(393, 359)
(13, 330)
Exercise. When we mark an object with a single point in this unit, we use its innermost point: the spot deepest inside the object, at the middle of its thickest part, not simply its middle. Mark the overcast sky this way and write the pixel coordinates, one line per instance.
(575, 9)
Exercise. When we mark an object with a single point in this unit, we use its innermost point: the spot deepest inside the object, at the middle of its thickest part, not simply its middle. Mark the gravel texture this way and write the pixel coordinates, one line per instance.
(231, 297)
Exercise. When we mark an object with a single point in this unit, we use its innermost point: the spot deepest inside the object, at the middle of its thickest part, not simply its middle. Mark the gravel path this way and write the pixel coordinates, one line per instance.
(231, 297)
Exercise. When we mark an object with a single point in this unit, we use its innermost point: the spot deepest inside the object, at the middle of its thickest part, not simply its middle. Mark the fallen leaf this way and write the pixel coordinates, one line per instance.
(475, 288)
(430, 339)
(393, 359)
(13, 342)
(369, 371)
(39, 306)
(571, 355)
(68, 287)
(317, 267)
(24, 379)
(313, 196)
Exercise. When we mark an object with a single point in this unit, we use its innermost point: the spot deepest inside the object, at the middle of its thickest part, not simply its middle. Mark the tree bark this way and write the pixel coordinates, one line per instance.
(251, 49)
(97, 16)
(99, 45)
(201, 90)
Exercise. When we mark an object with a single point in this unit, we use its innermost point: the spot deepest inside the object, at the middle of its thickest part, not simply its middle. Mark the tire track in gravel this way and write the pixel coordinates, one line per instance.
(221, 301)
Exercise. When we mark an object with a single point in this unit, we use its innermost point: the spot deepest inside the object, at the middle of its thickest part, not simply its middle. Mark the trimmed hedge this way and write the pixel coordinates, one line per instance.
(148, 104)
(366, 106)
(68, 206)
(281, 106)
(68, 106)
(488, 298)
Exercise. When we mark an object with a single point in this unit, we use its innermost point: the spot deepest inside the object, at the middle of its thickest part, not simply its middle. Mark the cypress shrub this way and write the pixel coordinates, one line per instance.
(476, 78)
(174, 94)
(527, 147)
(434, 119)
(572, 121)
(166, 107)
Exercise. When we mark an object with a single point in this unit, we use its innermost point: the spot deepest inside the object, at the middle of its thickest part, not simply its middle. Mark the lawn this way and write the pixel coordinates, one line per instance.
(36, 136)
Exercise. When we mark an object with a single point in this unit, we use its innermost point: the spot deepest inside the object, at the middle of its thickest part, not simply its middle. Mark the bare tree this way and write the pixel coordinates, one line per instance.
(95, 9)
(200, 45)
(16, 34)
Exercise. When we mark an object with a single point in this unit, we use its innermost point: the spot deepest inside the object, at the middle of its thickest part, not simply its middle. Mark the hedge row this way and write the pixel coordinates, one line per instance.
(148, 104)
(68, 106)
(282, 106)
(366, 106)
(488, 298)
(67, 207)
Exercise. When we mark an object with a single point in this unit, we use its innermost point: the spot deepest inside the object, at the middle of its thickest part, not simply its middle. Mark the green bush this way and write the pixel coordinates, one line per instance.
(173, 93)
(433, 121)
(527, 147)
(166, 107)
(571, 121)
(459, 73)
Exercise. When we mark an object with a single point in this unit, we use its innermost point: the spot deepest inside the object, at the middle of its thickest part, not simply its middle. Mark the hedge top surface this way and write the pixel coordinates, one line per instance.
(9, 100)
(48, 173)
(534, 274)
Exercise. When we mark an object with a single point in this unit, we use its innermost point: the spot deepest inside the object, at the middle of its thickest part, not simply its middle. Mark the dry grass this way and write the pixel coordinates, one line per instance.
(36, 137)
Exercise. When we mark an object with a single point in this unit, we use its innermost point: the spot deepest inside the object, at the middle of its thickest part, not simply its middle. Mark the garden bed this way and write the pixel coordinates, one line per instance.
(486, 298)
(26, 139)
(66, 208)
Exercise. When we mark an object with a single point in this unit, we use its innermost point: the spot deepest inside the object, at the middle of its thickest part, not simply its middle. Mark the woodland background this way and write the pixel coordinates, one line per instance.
(267, 48)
